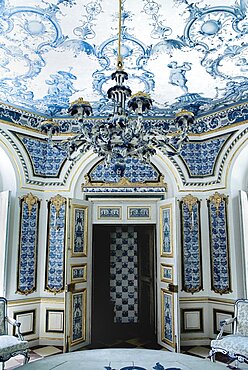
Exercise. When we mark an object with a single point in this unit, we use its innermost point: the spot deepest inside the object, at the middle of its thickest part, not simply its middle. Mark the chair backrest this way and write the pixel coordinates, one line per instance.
(3, 314)
(241, 312)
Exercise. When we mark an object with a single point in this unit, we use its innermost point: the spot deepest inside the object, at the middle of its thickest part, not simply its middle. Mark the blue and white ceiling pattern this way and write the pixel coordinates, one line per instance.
(185, 54)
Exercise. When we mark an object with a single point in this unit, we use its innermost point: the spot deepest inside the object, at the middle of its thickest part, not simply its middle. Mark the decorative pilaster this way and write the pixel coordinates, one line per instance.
(219, 243)
(191, 244)
(55, 256)
(28, 244)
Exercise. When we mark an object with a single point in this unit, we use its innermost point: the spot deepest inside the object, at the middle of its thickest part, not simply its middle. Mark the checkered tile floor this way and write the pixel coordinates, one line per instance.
(35, 355)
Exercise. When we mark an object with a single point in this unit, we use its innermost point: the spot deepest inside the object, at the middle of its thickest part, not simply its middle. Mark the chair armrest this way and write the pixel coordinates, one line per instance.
(223, 324)
(13, 322)
(17, 324)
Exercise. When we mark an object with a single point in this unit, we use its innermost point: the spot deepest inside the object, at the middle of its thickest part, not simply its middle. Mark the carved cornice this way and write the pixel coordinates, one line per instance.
(123, 183)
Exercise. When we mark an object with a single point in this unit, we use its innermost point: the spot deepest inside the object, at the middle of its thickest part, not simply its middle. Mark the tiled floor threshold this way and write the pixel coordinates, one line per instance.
(39, 353)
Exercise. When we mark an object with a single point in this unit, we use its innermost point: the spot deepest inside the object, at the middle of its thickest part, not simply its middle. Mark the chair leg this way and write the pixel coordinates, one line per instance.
(235, 366)
(26, 358)
(212, 356)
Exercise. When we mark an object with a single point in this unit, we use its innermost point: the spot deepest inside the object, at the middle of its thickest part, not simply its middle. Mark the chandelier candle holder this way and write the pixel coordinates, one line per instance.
(125, 133)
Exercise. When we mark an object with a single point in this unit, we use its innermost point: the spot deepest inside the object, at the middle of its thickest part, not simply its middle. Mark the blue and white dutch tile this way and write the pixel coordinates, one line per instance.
(219, 248)
(46, 160)
(77, 316)
(109, 212)
(28, 250)
(135, 171)
(166, 232)
(55, 256)
(79, 231)
(200, 158)
(168, 317)
(191, 249)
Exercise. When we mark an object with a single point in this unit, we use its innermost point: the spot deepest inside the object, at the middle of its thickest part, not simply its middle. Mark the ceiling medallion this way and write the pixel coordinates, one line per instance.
(125, 133)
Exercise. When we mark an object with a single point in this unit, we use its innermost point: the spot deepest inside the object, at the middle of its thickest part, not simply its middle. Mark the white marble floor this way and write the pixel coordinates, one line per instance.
(123, 359)
(47, 351)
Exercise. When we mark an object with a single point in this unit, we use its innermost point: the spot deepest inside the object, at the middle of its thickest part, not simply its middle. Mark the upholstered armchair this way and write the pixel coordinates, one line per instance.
(10, 345)
(235, 345)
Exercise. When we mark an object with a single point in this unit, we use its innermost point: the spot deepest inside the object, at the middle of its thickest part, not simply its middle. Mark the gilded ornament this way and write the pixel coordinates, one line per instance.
(123, 183)
(58, 201)
(217, 199)
(30, 200)
(189, 200)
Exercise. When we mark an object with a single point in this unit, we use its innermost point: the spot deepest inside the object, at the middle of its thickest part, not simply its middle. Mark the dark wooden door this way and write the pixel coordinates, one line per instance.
(146, 280)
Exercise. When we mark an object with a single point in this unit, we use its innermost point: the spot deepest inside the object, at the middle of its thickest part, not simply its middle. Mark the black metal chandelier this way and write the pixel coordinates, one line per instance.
(125, 133)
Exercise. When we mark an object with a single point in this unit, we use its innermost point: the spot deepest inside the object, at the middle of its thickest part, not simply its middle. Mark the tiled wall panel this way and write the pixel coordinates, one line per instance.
(219, 244)
(28, 244)
(191, 244)
(55, 244)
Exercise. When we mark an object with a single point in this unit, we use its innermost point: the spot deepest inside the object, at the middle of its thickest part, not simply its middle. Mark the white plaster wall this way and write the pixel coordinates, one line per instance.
(7, 173)
(238, 178)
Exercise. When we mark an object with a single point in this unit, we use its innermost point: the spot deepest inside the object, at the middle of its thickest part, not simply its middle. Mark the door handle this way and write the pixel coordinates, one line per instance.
(70, 287)
(173, 288)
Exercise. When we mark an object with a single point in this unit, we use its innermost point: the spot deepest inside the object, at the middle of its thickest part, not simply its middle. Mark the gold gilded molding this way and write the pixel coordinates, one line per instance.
(123, 183)
(216, 200)
(189, 200)
(58, 201)
(30, 200)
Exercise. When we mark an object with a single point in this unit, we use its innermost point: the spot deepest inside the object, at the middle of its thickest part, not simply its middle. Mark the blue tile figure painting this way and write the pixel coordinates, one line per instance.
(166, 231)
(167, 317)
(139, 212)
(37, 34)
(79, 230)
(78, 316)
(55, 244)
(109, 213)
(78, 273)
(191, 244)
(219, 244)
(28, 244)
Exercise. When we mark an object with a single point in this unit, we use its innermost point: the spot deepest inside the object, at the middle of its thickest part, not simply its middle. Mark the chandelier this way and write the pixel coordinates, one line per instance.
(127, 131)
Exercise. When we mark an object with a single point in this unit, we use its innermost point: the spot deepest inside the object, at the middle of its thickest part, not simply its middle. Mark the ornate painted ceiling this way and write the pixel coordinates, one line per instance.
(185, 54)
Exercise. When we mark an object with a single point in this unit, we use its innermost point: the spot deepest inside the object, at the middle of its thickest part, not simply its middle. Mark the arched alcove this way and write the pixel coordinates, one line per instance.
(160, 162)
(7, 190)
(7, 173)
(238, 181)
(239, 170)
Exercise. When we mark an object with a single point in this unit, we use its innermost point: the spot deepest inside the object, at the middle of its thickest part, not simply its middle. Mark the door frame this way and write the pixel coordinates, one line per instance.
(152, 242)
(130, 211)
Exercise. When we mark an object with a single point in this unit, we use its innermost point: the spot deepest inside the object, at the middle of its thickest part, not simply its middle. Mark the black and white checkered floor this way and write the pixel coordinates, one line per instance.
(42, 352)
